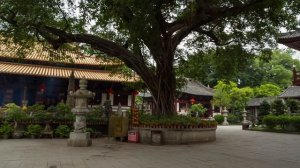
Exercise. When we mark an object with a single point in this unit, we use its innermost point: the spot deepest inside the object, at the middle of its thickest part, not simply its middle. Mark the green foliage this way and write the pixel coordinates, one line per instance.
(285, 122)
(62, 131)
(295, 122)
(12, 107)
(227, 94)
(293, 105)
(6, 129)
(138, 32)
(264, 109)
(278, 107)
(34, 130)
(271, 121)
(64, 112)
(222, 93)
(239, 97)
(197, 108)
(234, 118)
(52, 109)
(14, 112)
(36, 108)
(42, 116)
(147, 119)
(219, 118)
(270, 75)
(275, 70)
(95, 114)
(267, 90)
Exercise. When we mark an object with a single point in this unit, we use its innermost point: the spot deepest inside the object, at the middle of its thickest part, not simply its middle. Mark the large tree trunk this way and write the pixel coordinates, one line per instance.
(163, 88)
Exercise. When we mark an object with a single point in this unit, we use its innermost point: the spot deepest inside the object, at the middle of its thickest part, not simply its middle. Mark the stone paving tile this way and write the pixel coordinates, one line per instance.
(234, 148)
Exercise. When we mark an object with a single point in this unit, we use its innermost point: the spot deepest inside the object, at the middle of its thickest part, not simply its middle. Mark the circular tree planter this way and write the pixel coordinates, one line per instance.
(176, 135)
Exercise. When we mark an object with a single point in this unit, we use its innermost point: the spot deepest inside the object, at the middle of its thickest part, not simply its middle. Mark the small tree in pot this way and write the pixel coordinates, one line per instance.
(62, 131)
(6, 130)
(34, 130)
(197, 110)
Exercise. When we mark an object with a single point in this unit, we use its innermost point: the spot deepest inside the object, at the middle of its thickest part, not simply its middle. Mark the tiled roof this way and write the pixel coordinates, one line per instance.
(49, 71)
(290, 35)
(291, 91)
(196, 88)
(291, 39)
(39, 53)
(257, 101)
(192, 87)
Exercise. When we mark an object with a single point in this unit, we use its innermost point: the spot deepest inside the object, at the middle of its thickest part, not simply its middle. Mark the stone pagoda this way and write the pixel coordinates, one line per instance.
(79, 137)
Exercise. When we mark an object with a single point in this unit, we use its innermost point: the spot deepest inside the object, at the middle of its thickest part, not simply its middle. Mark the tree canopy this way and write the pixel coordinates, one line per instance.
(277, 70)
(139, 32)
(267, 90)
(227, 94)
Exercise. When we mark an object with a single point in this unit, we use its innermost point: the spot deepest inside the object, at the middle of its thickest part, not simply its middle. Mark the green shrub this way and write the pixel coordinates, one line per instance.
(14, 112)
(264, 109)
(271, 121)
(36, 108)
(34, 130)
(197, 108)
(219, 118)
(62, 131)
(42, 116)
(278, 107)
(64, 112)
(6, 129)
(293, 105)
(147, 119)
(295, 122)
(95, 115)
(234, 119)
(283, 121)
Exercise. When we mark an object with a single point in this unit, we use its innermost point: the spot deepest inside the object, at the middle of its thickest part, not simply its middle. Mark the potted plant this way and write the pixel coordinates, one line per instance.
(197, 110)
(62, 131)
(34, 130)
(6, 130)
(14, 113)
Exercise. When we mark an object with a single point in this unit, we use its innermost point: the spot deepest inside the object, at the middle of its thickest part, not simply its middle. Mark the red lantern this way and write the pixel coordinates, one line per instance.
(135, 93)
(42, 87)
(110, 91)
(192, 100)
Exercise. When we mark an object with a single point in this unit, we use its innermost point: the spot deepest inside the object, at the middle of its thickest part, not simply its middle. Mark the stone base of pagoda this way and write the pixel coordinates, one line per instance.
(80, 139)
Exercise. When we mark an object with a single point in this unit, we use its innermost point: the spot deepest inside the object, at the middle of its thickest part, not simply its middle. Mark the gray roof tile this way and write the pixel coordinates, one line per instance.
(196, 88)
(292, 34)
(291, 91)
(257, 101)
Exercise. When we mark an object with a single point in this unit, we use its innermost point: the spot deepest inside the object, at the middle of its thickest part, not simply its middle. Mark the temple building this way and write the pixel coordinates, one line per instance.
(43, 77)
(292, 40)
(192, 93)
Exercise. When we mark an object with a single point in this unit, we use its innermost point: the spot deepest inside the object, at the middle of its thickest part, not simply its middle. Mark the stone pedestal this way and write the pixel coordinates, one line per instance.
(79, 139)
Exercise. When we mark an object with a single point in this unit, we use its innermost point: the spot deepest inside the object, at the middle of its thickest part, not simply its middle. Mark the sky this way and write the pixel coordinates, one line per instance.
(296, 54)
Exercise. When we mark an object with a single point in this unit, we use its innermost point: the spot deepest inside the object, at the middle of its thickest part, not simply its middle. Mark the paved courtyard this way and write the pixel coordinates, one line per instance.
(234, 148)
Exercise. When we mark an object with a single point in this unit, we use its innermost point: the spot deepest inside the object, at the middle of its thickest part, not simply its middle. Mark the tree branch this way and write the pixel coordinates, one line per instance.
(110, 48)
(183, 27)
